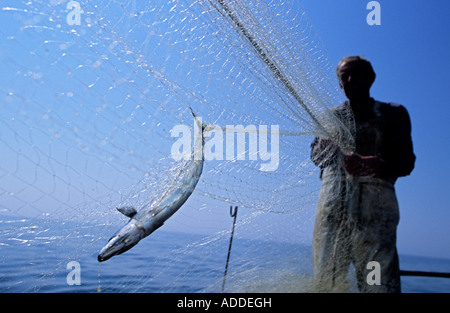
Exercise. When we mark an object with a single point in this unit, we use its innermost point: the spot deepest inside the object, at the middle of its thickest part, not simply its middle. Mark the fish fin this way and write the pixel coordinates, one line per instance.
(128, 211)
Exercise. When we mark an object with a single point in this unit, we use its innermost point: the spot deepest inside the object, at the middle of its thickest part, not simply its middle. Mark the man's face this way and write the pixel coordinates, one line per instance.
(355, 79)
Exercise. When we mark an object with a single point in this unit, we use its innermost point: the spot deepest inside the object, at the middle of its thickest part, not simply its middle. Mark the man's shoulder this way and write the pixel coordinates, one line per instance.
(344, 106)
(390, 107)
(394, 112)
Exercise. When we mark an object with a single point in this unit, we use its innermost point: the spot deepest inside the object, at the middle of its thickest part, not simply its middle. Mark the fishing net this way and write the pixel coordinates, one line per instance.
(91, 92)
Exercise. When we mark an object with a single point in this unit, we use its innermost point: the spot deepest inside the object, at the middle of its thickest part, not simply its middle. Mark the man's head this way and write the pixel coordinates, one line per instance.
(356, 76)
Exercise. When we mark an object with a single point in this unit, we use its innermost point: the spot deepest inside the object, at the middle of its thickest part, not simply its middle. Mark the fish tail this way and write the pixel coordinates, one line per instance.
(198, 120)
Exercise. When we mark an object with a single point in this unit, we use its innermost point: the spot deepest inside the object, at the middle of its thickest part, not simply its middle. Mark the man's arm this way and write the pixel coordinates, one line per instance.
(323, 151)
(399, 155)
(398, 158)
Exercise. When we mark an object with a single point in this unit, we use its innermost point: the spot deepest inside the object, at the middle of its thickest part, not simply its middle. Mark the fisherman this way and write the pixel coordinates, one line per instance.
(357, 212)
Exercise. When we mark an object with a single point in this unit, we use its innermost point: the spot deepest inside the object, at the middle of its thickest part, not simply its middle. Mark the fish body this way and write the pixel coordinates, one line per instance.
(153, 216)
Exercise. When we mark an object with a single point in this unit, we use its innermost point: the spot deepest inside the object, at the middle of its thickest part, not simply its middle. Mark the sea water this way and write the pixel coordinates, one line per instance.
(34, 259)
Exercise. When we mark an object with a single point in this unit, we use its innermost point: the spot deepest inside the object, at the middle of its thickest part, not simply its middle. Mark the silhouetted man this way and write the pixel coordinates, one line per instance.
(357, 213)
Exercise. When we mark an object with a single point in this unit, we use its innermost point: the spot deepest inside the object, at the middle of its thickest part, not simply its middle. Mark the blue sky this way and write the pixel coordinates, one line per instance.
(410, 54)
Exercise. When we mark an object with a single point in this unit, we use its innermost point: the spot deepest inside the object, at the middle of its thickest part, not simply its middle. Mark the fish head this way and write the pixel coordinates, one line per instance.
(126, 238)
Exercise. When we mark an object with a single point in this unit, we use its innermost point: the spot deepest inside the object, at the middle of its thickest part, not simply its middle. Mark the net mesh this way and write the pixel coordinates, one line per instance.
(90, 92)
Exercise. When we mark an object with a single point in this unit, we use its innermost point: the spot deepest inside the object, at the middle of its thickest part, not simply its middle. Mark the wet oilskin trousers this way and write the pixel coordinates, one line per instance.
(356, 222)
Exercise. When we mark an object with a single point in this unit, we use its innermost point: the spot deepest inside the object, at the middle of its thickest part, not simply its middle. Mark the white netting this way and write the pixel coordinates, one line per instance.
(87, 112)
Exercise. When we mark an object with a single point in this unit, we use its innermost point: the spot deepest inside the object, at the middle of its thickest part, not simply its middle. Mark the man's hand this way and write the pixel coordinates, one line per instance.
(362, 165)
